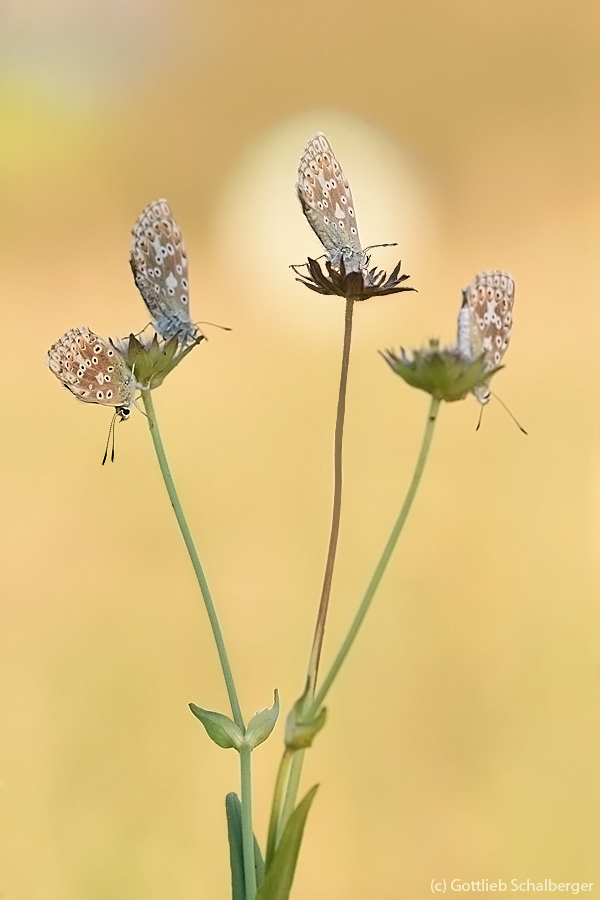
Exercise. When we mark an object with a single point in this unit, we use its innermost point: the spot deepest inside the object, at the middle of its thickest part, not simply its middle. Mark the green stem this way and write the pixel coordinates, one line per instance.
(246, 782)
(189, 543)
(382, 564)
(291, 790)
(280, 783)
(298, 758)
(247, 831)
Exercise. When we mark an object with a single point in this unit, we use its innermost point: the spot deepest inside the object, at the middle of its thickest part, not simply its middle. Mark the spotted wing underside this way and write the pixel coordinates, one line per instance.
(92, 368)
(160, 270)
(327, 203)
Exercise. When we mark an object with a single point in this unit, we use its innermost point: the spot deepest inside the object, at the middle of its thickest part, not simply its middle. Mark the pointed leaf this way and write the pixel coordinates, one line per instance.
(236, 852)
(233, 809)
(278, 880)
(259, 864)
(221, 729)
(262, 724)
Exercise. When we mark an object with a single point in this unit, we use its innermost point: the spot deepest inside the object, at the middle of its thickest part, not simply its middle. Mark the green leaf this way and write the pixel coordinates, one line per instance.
(259, 863)
(262, 724)
(233, 810)
(236, 852)
(221, 729)
(280, 875)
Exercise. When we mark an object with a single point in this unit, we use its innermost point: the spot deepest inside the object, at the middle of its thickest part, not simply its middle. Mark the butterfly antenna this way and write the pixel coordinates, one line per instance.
(139, 334)
(111, 431)
(214, 325)
(502, 403)
(480, 418)
(299, 265)
(372, 247)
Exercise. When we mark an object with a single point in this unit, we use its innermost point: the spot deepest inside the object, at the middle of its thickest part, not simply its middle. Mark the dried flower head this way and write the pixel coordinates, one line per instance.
(445, 374)
(358, 285)
(153, 361)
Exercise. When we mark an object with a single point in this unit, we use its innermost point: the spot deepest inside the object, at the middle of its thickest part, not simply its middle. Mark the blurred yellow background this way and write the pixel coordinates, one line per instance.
(463, 734)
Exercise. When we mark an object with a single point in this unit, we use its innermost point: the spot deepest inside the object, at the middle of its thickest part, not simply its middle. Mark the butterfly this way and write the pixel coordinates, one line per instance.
(326, 201)
(485, 322)
(94, 370)
(160, 270)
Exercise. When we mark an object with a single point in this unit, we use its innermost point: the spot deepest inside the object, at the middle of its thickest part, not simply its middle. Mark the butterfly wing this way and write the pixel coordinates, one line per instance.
(486, 324)
(160, 270)
(92, 369)
(327, 203)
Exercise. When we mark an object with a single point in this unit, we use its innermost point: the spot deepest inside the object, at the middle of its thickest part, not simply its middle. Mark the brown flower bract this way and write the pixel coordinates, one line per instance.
(358, 285)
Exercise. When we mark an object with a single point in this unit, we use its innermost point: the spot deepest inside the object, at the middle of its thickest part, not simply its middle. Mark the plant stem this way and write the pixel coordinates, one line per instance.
(382, 564)
(247, 831)
(189, 543)
(291, 790)
(298, 758)
(246, 782)
(293, 781)
(280, 783)
(315, 654)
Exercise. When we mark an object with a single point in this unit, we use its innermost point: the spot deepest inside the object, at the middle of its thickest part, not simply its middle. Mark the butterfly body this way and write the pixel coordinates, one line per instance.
(93, 369)
(327, 203)
(160, 269)
(485, 321)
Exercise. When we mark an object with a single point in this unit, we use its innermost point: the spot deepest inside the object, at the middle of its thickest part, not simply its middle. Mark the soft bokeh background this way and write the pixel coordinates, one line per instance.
(463, 735)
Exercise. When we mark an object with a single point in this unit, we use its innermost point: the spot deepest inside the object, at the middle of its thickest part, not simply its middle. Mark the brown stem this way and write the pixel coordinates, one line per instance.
(315, 655)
